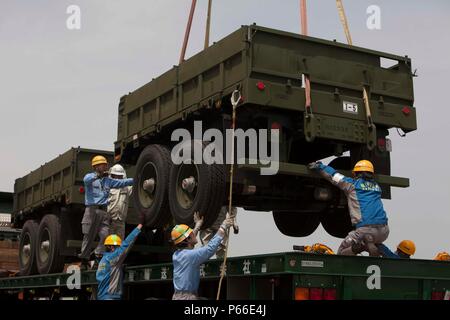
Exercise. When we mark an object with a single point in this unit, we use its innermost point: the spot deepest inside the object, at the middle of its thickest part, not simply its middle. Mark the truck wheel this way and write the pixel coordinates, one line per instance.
(296, 224)
(337, 222)
(197, 187)
(27, 245)
(153, 165)
(48, 257)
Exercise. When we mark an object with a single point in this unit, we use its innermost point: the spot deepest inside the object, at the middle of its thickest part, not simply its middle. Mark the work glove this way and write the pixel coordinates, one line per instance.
(231, 215)
(314, 165)
(198, 221)
(227, 223)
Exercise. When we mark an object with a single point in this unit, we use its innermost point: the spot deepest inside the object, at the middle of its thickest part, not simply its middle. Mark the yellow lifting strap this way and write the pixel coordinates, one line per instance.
(344, 22)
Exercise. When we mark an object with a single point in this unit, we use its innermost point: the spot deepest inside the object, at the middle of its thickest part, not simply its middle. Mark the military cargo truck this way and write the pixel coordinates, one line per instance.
(353, 97)
(48, 206)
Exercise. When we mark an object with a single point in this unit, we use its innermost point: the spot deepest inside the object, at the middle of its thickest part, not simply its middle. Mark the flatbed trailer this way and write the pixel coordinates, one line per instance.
(277, 276)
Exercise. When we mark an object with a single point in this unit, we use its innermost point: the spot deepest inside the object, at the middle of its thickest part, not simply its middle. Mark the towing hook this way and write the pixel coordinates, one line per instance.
(236, 98)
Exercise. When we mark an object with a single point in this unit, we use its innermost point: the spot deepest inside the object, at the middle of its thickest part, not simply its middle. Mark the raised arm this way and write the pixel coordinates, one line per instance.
(119, 183)
(119, 255)
(203, 254)
(344, 183)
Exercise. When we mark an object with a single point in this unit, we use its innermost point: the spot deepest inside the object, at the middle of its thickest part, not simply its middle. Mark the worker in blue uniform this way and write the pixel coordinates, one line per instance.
(187, 260)
(95, 219)
(405, 250)
(110, 269)
(366, 208)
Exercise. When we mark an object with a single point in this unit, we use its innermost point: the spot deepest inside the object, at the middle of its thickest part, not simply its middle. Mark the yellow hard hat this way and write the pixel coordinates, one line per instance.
(363, 166)
(407, 246)
(442, 256)
(99, 160)
(113, 240)
(180, 232)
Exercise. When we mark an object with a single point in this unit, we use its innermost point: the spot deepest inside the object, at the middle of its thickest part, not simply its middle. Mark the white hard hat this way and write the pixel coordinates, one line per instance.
(118, 170)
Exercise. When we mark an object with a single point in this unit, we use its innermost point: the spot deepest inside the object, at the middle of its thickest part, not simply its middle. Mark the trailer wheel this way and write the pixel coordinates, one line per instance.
(48, 257)
(337, 222)
(197, 187)
(296, 224)
(27, 244)
(153, 165)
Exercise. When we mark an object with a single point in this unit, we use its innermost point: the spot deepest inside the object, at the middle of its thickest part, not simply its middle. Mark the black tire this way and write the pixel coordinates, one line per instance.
(27, 245)
(337, 222)
(296, 224)
(208, 195)
(48, 252)
(154, 162)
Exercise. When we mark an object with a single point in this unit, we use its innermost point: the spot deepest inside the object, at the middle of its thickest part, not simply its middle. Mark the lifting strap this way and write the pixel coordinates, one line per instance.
(208, 24)
(188, 31)
(309, 123)
(344, 22)
(236, 98)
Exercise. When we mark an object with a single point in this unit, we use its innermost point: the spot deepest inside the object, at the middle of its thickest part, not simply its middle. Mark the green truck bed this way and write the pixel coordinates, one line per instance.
(253, 54)
(289, 275)
(57, 181)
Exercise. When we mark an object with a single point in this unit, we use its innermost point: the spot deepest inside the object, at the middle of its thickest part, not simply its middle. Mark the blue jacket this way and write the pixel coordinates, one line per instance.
(97, 189)
(109, 273)
(186, 265)
(363, 197)
(386, 252)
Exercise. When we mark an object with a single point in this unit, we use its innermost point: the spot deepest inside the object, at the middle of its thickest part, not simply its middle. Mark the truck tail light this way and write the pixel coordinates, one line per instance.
(260, 85)
(301, 293)
(384, 144)
(315, 294)
(81, 190)
(437, 295)
(330, 294)
(406, 110)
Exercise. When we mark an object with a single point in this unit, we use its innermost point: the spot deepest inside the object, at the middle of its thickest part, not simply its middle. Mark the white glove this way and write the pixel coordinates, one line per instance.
(227, 223)
(198, 221)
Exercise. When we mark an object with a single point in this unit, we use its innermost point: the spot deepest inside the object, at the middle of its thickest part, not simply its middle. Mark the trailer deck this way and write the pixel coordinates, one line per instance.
(288, 275)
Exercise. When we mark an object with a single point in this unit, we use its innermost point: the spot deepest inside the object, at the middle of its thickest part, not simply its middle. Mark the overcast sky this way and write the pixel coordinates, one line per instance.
(60, 88)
